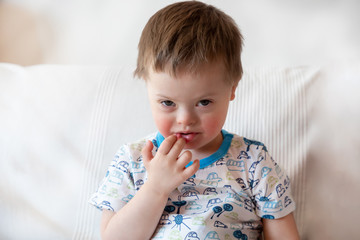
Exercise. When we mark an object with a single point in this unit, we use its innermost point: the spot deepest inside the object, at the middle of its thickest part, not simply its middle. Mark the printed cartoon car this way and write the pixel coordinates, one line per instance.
(243, 154)
(214, 177)
(287, 201)
(192, 205)
(139, 183)
(252, 142)
(265, 171)
(280, 190)
(220, 224)
(164, 220)
(208, 183)
(127, 198)
(212, 235)
(213, 201)
(190, 181)
(220, 162)
(272, 206)
(137, 167)
(242, 183)
(105, 205)
(190, 194)
(116, 177)
(234, 165)
(209, 191)
(192, 236)
(234, 198)
(123, 166)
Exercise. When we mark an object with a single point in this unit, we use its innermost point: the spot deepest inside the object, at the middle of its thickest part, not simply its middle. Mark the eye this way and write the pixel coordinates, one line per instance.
(204, 102)
(168, 103)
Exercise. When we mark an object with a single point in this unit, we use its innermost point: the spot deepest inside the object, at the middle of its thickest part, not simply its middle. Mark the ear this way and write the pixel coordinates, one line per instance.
(233, 90)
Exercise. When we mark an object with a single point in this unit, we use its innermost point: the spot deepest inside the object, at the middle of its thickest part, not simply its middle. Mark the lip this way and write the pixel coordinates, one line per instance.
(187, 136)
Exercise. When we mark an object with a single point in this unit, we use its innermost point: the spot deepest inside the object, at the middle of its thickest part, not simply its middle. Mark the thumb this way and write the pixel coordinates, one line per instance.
(146, 152)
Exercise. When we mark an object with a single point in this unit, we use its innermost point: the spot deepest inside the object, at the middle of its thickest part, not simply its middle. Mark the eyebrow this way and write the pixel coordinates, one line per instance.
(205, 96)
(161, 96)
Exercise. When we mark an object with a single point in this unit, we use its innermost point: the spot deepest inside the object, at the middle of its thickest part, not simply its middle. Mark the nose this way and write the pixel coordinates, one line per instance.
(186, 117)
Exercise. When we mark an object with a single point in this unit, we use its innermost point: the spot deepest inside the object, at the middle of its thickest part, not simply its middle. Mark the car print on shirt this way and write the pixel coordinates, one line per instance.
(122, 166)
(138, 184)
(192, 205)
(243, 155)
(213, 201)
(219, 224)
(188, 193)
(197, 208)
(265, 171)
(212, 236)
(249, 143)
(234, 198)
(190, 182)
(116, 177)
(210, 191)
(272, 206)
(214, 177)
(191, 236)
(234, 165)
(164, 219)
(105, 205)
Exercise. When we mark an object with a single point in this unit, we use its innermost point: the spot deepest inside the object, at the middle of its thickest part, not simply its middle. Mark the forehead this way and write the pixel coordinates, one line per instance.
(212, 71)
(207, 80)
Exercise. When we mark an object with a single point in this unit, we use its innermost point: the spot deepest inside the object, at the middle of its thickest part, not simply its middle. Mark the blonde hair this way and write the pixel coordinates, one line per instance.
(187, 35)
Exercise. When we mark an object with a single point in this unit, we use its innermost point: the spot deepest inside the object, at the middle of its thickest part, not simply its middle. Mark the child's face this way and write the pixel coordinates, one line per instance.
(192, 106)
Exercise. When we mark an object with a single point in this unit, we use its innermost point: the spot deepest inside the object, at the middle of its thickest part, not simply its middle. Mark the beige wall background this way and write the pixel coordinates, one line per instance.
(277, 32)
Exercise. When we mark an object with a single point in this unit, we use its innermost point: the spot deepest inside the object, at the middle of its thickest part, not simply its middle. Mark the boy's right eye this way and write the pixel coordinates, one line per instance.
(168, 103)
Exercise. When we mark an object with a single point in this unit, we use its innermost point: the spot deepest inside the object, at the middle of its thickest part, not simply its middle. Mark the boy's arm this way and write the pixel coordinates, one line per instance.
(282, 228)
(137, 219)
(166, 171)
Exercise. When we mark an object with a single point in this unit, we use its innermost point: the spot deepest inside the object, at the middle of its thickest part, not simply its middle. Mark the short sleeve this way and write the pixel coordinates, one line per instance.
(271, 187)
(117, 187)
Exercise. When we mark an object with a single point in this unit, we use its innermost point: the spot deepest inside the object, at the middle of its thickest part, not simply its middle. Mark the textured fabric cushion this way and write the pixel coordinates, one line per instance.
(61, 125)
(271, 107)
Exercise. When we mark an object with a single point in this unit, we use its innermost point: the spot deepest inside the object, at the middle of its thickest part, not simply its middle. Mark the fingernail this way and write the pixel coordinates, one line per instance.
(178, 136)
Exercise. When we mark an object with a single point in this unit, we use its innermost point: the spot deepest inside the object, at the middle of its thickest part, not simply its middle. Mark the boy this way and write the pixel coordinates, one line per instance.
(193, 180)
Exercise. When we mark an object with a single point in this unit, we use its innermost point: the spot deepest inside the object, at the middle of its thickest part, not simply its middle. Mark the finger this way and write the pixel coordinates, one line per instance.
(192, 169)
(167, 144)
(146, 152)
(184, 159)
(177, 148)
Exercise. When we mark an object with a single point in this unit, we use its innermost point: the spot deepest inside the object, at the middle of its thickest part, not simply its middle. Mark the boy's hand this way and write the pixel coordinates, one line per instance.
(166, 170)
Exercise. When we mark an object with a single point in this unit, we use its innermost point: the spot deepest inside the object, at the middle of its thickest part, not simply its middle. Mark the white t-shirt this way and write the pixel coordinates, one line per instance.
(227, 197)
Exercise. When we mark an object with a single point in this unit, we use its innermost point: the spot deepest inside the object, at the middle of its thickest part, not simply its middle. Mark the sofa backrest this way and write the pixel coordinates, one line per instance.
(61, 125)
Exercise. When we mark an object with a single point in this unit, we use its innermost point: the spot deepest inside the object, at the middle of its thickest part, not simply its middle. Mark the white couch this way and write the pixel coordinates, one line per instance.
(61, 125)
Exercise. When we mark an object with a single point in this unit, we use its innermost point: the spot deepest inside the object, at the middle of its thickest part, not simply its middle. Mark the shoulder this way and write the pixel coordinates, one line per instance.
(132, 151)
(246, 147)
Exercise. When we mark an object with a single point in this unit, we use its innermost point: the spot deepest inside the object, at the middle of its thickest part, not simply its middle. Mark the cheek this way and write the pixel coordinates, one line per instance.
(164, 124)
(215, 122)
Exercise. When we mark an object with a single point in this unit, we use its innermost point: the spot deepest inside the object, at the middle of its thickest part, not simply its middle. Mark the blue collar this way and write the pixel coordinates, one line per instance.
(225, 145)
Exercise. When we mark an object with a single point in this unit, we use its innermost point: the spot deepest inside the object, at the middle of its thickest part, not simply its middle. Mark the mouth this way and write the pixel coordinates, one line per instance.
(187, 136)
